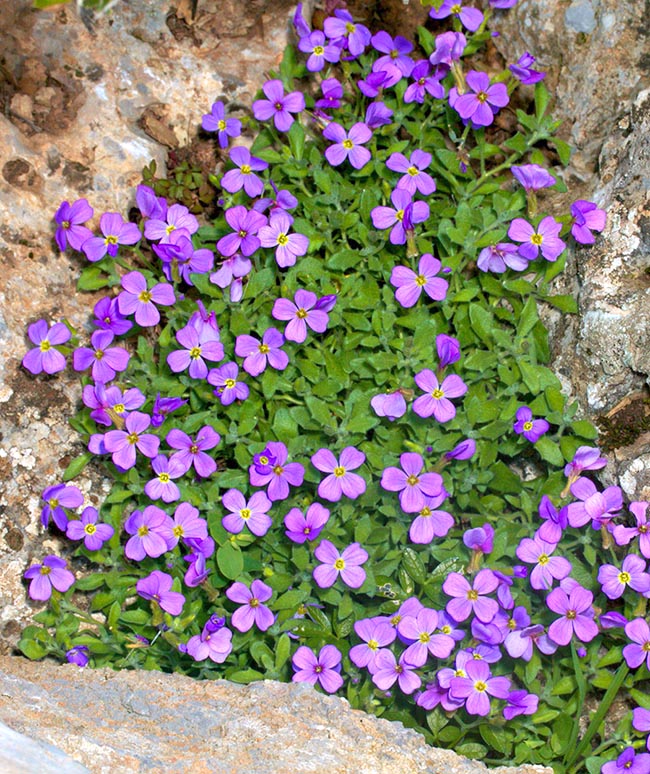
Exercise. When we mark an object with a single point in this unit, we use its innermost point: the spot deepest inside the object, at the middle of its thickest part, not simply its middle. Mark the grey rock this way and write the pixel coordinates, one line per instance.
(580, 16)
(21, 755)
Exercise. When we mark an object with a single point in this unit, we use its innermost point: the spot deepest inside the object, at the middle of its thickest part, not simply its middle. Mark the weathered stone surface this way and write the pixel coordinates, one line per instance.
(136, 722)
(21, 755)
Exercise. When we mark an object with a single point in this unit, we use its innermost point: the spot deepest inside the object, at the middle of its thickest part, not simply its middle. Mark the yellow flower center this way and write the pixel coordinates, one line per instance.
(195, 352)
(171, 227)
(283, 239)
(119, 408)
(412, 480)
(65, 224)
(456, 8)
(245, 513)
(424, 637)
(571, 614)
(143, 530)
(90, 529)
(230, 383)
(144, 296)
(480, 686)
(624, 577)
(412, 171)
(178, 531)
(194, 449)
(278, 470)
(373, 644)
(537, 239)
(528, 426)
(245, 169)
(350, 28)
(395, 619)
(164, 478)
(53, 503)
(242, 233)
(221, 125)
(45, 570)
(512, 624)
(339, 471)
(264, 460)
(45, 345)
(99, 354)
(264, 348)
(254, 602)
(301, 314)
(132, 438)
(420, 280)
(110, 240)
(646, 647)
(348, 144)
(426, 511)
(543, 559)
(437, 394)
(339, 564)
(318, 669)
(481, 96)
(399, 215)
(472, 595)
(319, 50)
(446, 629)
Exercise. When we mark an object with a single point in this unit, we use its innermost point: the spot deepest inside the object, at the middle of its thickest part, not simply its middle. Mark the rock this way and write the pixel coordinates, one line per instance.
(20, 755)
(150, 722)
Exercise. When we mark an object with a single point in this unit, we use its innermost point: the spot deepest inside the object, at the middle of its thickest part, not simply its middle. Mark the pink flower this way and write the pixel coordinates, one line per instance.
(346, 564)
(252, 610)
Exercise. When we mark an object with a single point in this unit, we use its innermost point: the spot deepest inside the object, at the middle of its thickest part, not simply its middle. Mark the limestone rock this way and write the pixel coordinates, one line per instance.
(137, 722)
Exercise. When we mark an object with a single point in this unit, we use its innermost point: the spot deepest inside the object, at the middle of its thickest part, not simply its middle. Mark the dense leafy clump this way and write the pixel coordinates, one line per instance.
(338, 453)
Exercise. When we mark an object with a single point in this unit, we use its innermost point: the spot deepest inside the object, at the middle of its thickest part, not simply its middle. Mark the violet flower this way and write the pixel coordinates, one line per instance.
(157, 588)
(116, 232)
(436, 400)
(628, 762)
(632, 573)
(623, 535)
(449, 48)
(216, 121)
(276, 234)
(470, 18)
(245, 225)
(342, 30)
(308, 526)
(109, 318)
(414, 178)
(586, 218)
(44, 357)
(577, 614)
(419, 631)
(90, 530)
(523, 68)
(105, 360)
(252, 513)
(378, 114)
(471, 599)
(544, 238)
(109, 404)
(301, 313)
(137, 299)
(280, 474)
(555, 521)
(639, 651)
(228, 388)
(150, 205)
(79, 655)
(323, 669)
(430, 522)
(547, 568)
(520, 703)
(477, 686)
(121, 444)
(425, 79)
(347, 145)
(57, 498)
(481, 101)
(375, 635)
(390, 404)
(387, 670)
(347, 564)
(598, 507)
(531, 429)
(193, 451)
(257, 355)
(332, 91)
(198, 349)
(177, 218)
(147, 529)
(186, 525)
(179, 258)
(394, 217)
(395, 52)
(278, 105)
(68, 219)
(162, 487)
(413, 485)
(213, 644)
(448, 349)
(164, 406)
(340, 481)
(252, 611)
(532, 177)
(51, 574)
(319, 50)
(231, 268)
(244, 177)
(198, 571)
(464, 450)
(497, 258)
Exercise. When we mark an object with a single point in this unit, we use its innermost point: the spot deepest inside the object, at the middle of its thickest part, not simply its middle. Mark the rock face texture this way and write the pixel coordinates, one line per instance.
(137, 722)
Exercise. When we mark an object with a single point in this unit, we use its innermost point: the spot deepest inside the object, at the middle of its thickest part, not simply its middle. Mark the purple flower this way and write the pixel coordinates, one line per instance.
(503, 3)
(162, 407)
(340, 481)
(252, 610)
(632, 573)
(257, 355)
(520, 703)
(323, 668)
(470, 18)
(216, 121)
(51, 574)
(79, 655)
(177, 218)
(425, 79)
(387, 670)
(346, 564)
(395, 50)
(162, 487)
(413, 485)
(414, 177)
(301, 312)
(448, 349)
(192, 452)
(150, 205)
(121, 444)
(393, 218)
(555, 521)
(110, 405)
(179, 258)
(332, 91)
(137, 299)
(198, 349)
(436, 398)
(377, 114)
(547, 567)
(628, 762)
(342, 30)
(480, 539)
(531, 429)
(236, 179)
(576, 612)
(109, 318)
(597, 507)
(68, 219)
(197, 572)
(497, 258)
(429, 522)
(639, 632)
(544, 238)
(88, 529)
(187, 525)
(418, 631)
(57, 498)
(300, 528)
(215, 644)
(157, 587)
(105, 360)
(586, 218)
(585, 458)
(522, 70)
(481, 103)
(231, 268)
(468, 599)
(477, 686)
(347, 145)
(44, 357)
(465, 450)
(280, 475)
(228, 389)
(449, 48)
(389, 404)
(533, 177)
(623, 535)
(287, 246)
(641, 719)
(116, 232)
(375, 635)
(245, 225)
(278, 106)
(319, 50)
(147, 528)
(252, 514)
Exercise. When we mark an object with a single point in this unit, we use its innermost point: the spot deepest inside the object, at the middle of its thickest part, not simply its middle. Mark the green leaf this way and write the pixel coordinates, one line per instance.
(297, 140)
(76, 466)
(244, 676)
(282, 651)
(565, 303)
(230, 561)
(482, 322)
(413, 565)
(550, 452)
(92, 278)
